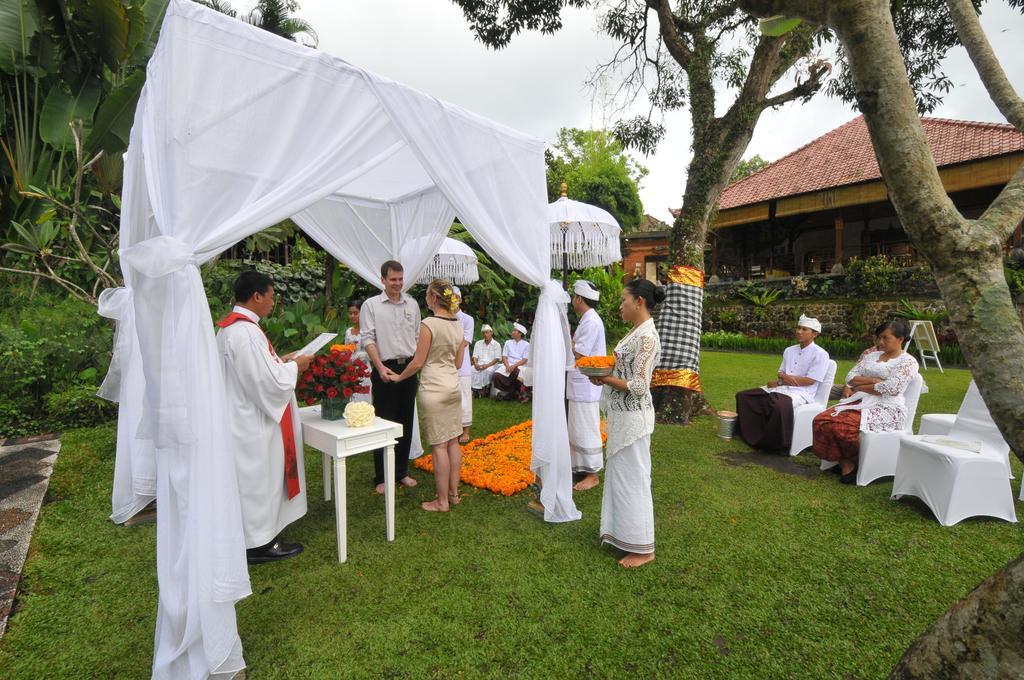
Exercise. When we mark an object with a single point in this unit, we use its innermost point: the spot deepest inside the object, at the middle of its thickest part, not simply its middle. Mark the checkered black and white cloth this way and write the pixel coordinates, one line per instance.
(678, 322)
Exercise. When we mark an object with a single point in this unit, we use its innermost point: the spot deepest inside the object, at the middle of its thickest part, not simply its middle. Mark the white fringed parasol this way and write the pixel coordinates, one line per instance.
(582, 235)
(454, 262)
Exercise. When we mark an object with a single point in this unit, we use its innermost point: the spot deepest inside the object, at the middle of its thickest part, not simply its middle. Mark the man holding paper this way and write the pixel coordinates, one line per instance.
(264, 428)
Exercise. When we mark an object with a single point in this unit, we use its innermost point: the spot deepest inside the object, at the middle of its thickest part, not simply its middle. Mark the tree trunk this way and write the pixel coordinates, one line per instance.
(965, 255)
(707, 176)
(980, 638)
(983, 635)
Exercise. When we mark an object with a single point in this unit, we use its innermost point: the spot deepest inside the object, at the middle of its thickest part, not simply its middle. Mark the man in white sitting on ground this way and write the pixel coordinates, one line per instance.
(466, 369)
(514, 356)
(584, 397)
(265, 434)
(486, 357)
(765, 414)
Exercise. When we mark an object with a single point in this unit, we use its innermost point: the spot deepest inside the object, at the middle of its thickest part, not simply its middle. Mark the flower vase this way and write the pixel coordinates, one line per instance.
(333, 409)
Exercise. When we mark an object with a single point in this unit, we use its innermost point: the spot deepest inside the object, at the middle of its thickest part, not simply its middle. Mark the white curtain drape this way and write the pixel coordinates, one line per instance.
(237, 129)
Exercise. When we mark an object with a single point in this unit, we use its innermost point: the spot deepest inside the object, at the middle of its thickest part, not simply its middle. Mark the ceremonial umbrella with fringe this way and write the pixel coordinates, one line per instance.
(454, 262)
(582, 236)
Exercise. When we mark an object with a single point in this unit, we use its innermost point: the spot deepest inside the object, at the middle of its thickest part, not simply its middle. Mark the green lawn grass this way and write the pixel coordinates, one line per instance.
(759, 574)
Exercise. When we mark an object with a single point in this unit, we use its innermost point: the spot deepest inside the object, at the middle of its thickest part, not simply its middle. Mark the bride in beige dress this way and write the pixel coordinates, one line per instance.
(439, 355)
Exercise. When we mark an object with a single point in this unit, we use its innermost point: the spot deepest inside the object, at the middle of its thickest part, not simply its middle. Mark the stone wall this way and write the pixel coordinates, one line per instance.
(850, 318)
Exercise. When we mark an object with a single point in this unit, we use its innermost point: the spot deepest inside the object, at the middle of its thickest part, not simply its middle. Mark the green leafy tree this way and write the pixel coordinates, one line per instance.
(274, 16)
(747, 167)
(70, 76)
(710, 58)
(599, 172)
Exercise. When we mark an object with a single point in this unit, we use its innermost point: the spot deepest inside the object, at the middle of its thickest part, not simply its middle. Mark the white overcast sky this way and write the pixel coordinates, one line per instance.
(536, 85)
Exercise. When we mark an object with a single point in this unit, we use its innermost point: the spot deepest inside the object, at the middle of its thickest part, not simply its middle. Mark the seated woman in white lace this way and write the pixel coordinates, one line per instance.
(627, 507)
(873, 401)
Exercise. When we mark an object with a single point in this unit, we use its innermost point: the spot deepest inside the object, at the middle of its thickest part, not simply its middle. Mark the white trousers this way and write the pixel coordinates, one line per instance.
(466, 388)
(585, 444)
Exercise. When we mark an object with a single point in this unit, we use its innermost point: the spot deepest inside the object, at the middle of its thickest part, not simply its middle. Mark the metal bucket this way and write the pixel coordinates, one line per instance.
(726, 424)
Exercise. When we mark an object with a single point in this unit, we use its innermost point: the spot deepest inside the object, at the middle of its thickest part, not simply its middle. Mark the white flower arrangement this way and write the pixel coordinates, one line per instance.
(359, 414)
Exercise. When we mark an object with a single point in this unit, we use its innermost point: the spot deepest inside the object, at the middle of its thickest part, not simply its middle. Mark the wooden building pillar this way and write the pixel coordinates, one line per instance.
(714, 253)
(839, 239)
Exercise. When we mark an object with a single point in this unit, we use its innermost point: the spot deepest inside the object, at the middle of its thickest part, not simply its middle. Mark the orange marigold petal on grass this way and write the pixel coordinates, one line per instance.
(499, 463)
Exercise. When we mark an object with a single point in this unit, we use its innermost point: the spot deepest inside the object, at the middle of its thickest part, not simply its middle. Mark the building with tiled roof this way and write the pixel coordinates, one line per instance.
(826, 201)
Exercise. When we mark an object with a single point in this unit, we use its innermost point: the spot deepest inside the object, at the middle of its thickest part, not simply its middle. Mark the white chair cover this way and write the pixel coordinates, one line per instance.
(878, 450)
(954, 482)
(237, 129)
(803, 415)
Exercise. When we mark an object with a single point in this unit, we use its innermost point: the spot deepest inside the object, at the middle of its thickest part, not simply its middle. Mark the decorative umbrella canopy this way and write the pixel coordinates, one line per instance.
(588, 234)
(455, 262)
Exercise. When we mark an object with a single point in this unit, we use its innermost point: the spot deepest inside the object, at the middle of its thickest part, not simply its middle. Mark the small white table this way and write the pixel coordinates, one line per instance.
(338, 441)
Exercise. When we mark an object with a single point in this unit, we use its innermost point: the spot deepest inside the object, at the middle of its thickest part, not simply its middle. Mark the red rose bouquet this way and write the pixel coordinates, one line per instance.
(336, 374)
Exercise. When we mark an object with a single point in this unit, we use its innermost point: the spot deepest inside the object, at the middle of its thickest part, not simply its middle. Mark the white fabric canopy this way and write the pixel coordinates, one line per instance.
(235, 130)
(590, 235)
(455, 262)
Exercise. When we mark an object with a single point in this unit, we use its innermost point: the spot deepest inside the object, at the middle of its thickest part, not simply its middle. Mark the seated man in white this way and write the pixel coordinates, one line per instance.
(513, 356)
(765, 414)
(486, 357)
(264, 428)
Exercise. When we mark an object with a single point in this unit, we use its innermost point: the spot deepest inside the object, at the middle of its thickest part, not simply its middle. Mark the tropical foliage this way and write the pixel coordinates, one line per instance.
(599, 172)
(70, 76)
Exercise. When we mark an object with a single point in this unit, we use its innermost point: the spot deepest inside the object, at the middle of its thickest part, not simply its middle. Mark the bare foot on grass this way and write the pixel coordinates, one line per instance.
(634, 560)
(588, 482)
(379, 489)
(454, 499)
(408, 482)
(436, 505)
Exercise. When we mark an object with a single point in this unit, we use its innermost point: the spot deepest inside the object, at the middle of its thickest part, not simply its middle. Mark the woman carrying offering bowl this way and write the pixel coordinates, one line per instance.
(627, 506)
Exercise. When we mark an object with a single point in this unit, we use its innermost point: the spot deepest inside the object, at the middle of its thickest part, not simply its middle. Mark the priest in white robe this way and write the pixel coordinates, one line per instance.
(266, 435)
(584, 397)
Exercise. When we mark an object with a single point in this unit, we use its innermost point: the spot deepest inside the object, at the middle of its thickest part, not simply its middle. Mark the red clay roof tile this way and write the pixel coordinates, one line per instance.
(844, 156)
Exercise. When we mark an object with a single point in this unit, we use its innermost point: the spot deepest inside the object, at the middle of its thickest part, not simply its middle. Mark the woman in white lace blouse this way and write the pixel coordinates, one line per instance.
(873, 401)
(627, 507)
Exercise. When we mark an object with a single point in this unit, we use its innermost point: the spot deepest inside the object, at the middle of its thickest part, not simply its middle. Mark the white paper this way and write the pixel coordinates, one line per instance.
(317, 344)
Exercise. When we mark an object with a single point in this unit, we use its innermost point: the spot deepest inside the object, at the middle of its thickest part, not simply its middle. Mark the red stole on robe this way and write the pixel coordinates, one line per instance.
(291, 463)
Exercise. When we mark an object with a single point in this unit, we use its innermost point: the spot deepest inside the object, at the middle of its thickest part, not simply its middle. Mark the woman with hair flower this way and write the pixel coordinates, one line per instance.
(439, 353)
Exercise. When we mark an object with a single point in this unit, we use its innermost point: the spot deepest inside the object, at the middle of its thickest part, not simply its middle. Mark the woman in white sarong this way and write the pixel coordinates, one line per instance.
(352, 338)
(627, 507)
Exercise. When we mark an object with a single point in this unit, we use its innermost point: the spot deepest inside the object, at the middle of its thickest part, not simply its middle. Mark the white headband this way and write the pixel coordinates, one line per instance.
(485, 328)
(520, 327)
(809, 322)
(585, 290)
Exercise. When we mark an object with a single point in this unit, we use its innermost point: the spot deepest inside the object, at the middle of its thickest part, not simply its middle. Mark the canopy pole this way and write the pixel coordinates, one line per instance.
(564, 191)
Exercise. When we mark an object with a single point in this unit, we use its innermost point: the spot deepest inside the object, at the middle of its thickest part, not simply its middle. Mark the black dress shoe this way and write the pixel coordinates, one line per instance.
(272, 552)
(849, 478)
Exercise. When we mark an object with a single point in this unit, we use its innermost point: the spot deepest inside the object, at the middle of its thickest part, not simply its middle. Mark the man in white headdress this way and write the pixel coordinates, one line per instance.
(264, 426)
(584, 397)
(514, 356)
(486, 357)
(466, 370)
(765, 414)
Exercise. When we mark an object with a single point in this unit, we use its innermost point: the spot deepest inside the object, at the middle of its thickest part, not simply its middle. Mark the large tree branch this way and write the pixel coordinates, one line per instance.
(812, 10)
(1007, 211)
(674, 42)
(802, 90)
(1003, 95)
